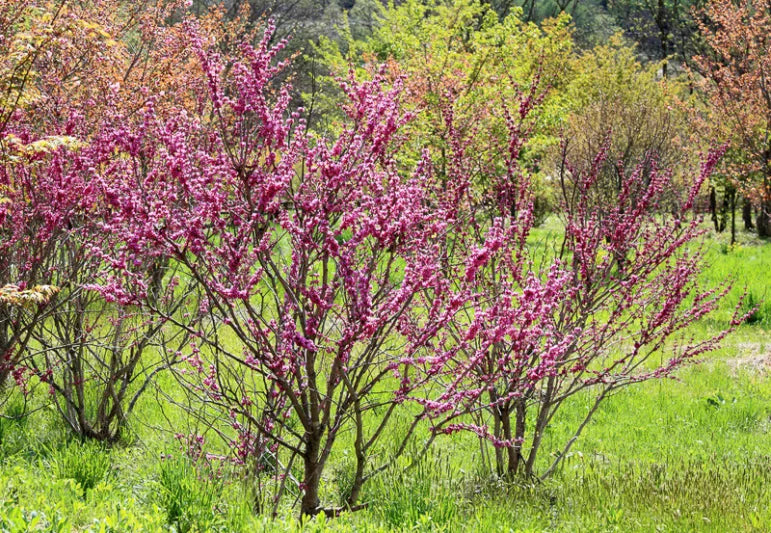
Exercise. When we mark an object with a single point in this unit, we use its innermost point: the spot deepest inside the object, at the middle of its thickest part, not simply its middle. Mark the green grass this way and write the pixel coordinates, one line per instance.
(691, 454)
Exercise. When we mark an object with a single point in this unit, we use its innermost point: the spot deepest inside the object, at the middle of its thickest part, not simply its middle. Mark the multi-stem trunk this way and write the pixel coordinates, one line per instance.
(498, 415)
(361, 457)
(511, 452)
(542, 420)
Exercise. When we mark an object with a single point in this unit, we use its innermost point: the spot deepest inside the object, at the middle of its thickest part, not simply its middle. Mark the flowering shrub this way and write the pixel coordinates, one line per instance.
(55, 183)
(620, 287)
(309, 251)
(303, 287)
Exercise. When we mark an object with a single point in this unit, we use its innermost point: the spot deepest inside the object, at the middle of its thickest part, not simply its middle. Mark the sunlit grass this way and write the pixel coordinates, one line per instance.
(689, 454)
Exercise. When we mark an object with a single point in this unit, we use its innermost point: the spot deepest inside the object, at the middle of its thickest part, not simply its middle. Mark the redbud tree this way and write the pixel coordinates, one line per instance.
(606, 306)
(59, 181)
(337, 281)
(32, 204)
(309, 252)
(98, 350)
(54, 221)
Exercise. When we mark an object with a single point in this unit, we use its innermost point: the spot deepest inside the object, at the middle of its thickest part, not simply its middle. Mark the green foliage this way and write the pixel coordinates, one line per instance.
(427, 494)
(759, 310)
(17, 520)
(746, 264)
(188, 496)
(461, 48)
(13, 423)
(120, 520)
(612, 91)
(87, 463)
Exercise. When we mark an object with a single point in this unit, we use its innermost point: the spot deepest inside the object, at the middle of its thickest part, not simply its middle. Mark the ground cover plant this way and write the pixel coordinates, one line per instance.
(429, 311)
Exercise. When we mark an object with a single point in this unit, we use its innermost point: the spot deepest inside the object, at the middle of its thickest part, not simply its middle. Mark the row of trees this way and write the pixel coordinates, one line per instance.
(465, 48)
(165, 210)
(685, 42)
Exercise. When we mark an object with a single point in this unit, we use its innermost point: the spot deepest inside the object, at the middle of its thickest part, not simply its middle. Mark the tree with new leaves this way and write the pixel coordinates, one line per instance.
(612, 91)
(735, 80)
(463, 52)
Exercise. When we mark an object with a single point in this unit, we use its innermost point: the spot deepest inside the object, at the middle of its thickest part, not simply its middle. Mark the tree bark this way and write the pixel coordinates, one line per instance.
(763, 221)
(663, 26)
(498, 432)
(310, 505)
(512, 456)
(515, 455)
(713, 208)
(733, 216)
(747, 214)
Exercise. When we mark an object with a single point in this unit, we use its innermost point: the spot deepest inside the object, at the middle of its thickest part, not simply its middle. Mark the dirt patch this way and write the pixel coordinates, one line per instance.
(755, 359)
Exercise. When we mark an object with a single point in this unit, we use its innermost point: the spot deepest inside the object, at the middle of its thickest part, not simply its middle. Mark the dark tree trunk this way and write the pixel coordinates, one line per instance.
(310, 505)
(713, 208)
(661, 22)
(764, 219)
(724, 208)
(498, 432)
(764, 209)
(519, 437)
(747, 214)
(513, 464)
(733, 216)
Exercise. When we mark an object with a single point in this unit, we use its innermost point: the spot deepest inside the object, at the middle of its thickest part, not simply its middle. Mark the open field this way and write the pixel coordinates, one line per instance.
(692, 454)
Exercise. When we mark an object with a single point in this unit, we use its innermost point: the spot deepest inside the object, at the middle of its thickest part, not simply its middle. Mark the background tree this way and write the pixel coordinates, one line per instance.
(665, 30)
(736, 85)
(613, 97)
(461, 52)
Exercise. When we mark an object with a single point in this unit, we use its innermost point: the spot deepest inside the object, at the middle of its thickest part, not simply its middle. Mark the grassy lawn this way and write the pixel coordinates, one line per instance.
(691, 454)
